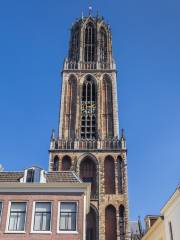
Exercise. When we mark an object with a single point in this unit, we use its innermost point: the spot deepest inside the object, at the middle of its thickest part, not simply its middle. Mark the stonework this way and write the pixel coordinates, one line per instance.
(88, 141)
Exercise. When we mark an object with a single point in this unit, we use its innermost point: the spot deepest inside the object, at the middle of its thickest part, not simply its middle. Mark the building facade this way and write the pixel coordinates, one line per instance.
(88, 140)
(155, 231)
(35, 204)
(165, 226)
(171, 213)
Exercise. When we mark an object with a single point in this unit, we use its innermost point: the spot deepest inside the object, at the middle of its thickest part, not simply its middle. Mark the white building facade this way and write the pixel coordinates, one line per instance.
(167, 225)
(171, 213)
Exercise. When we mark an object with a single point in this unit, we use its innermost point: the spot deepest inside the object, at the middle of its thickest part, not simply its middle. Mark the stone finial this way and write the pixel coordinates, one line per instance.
(53, 134)
(123, 133)
(90, 10)
(123, 139)
(52, 142)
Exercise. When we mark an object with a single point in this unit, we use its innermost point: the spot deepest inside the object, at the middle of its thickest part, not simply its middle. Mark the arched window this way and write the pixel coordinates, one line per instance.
(71, 97)
(88, 109)
(66, 163)
(110, 223)
(88, 173)
(109, 175)
(90, 43)
(107, 108)
(120, 174)
(103, 46)
(122, 222)
(56, 164)
(91, 225)
(74, 50)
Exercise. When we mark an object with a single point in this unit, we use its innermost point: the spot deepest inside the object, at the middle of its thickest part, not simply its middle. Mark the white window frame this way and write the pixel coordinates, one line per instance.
(77, 217)
(33, 215)
(8, 217)
(1, 211)
(170, 230)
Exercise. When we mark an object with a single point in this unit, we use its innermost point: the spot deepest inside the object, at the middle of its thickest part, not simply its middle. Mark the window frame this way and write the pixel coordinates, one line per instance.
(56, 166)
(170, 230)
(33, 218)
(1, 201)
(8, 217)
(58, 218)
(89, 110)
(31, 178)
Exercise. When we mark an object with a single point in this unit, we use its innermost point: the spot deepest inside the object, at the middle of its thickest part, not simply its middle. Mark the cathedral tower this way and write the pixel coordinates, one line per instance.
(88, 140)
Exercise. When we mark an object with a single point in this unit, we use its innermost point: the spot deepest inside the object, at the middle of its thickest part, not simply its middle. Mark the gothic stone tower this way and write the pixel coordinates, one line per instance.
(88, 141)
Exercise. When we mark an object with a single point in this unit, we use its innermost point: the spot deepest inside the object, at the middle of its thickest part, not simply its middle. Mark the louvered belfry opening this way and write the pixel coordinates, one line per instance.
(110, 223)
(91, 225)
(90, 43)
(74, 45)
(88, 173)
(88, 109)
(103, 46)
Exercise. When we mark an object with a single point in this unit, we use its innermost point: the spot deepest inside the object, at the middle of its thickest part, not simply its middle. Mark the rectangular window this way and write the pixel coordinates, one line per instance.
(0, 211)
(30, 176)
(68, 213)
(42, 216)
(170, 231)
(17, 216)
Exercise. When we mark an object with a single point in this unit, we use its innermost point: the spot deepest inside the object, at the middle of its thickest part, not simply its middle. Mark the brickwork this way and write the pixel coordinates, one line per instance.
(29, 198)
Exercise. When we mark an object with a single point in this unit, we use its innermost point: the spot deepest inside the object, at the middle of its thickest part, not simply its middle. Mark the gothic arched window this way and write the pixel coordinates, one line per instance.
(66, 163)
(71, 97)
(122, 222)
(56, 163)
(90, 43)
(109, 175)
(110, 223)
(103, 45)
(91, 224)
(88, 109)
(120, 174)
(107, 107)
(88, 173)
(74, 50)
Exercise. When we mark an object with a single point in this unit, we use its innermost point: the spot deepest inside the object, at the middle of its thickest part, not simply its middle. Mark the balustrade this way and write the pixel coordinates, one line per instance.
(88, 66)
(82, 144)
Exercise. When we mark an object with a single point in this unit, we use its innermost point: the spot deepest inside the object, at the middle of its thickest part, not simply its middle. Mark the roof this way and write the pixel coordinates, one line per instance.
(171, 200)
(51, 177)
(62, 176)
(11, 176)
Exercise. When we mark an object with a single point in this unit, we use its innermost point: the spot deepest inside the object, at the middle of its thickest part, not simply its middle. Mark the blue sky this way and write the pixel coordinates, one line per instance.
(146, 45)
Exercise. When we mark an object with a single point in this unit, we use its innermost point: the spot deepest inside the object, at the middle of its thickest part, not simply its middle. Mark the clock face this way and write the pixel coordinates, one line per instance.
(88, 108)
